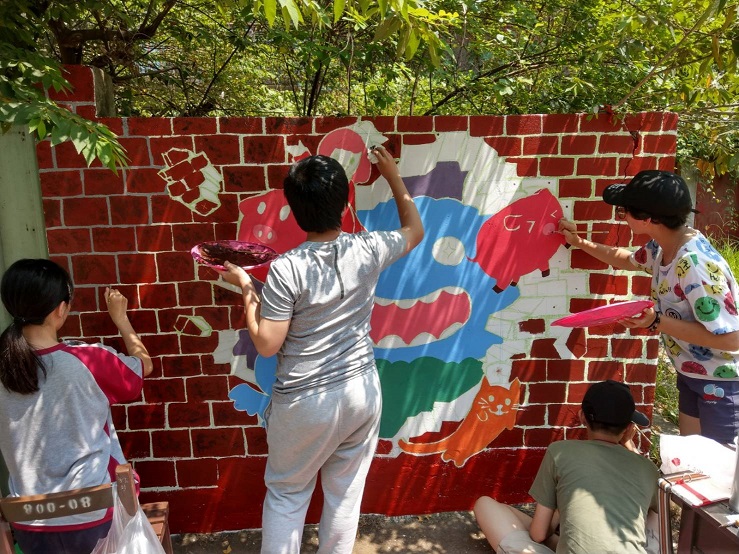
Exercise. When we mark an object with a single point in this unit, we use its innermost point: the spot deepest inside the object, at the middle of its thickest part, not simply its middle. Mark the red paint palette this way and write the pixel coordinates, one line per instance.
(247, 255)
(604, 314)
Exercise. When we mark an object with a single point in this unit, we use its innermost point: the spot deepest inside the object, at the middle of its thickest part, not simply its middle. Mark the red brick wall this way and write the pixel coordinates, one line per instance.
(186, 440)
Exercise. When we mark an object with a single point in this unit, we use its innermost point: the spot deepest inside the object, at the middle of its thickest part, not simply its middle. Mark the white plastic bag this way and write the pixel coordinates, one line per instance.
(129, 535)
(698, 454)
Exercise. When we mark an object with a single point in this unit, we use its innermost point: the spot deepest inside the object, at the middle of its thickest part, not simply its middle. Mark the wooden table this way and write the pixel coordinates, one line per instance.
(701, 531)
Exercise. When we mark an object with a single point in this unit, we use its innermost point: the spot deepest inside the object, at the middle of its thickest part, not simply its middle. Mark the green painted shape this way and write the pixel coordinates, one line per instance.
(409, 389)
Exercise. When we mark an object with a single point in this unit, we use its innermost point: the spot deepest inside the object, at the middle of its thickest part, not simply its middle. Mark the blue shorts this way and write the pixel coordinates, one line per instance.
(714, 402)
(61, 542)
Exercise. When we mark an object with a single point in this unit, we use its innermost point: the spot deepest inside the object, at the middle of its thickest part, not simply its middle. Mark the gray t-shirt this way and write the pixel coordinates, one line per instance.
(603, 493)
(327, 291)
(62, 437)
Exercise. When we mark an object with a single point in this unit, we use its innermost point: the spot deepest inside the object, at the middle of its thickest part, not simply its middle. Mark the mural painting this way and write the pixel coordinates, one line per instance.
(439, 356)
(476, 381)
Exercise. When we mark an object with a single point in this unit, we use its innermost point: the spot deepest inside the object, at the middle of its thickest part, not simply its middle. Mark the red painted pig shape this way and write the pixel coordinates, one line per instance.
(520, 238)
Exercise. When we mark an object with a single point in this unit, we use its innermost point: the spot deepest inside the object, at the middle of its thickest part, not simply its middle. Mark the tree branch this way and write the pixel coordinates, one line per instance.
(460, 89)
(215, 78)
(669, 53)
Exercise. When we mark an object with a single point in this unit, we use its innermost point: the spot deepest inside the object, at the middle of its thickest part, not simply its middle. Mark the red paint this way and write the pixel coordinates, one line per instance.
(505, 146)
(61, 183)
(68, 241)
(523, 124)
(486, 125)
(540, 145)
(433, 318)
(556, 167)
(519, 239)
(559, 123)
(583, 145)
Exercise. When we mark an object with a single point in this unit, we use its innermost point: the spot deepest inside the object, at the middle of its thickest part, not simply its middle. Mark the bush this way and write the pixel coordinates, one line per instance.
(665, 392)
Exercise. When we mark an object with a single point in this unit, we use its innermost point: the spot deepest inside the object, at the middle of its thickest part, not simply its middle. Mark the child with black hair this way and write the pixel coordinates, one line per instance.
(56, 429)
(597, 491)
(695, 296)
(314, 314)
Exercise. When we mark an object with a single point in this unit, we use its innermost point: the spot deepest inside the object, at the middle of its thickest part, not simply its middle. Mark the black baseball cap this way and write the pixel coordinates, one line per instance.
(610, 402)
(654, 192)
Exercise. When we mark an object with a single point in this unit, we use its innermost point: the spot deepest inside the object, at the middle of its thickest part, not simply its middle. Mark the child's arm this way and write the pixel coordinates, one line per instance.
(410, 221)
(117, 305)
(627, 438)
(266, 334)
(619, 258)
(544, 523)
(691, 331)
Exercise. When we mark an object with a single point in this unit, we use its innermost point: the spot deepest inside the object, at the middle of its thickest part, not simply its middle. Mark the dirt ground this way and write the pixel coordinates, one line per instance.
(444, 533)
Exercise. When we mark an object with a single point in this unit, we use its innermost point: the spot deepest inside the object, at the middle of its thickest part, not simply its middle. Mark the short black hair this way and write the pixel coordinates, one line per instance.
(597, 426)
(30, 290)
(669, 221)
(317, 191)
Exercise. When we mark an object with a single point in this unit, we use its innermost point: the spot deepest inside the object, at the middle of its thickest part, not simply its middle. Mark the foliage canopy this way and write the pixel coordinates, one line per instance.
(409, 57)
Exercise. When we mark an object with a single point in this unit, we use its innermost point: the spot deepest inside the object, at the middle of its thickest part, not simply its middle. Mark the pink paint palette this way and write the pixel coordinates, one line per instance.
(248, 255)
(604, 314)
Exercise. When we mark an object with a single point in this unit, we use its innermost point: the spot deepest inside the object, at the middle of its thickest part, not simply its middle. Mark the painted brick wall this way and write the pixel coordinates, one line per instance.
(184, 436)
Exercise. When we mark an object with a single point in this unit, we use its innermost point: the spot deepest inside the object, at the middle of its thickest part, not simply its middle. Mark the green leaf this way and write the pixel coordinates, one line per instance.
(80, 138)
(338, 9)
(386, 28)
(104, 152)
(41, 130)
(412, 45)
(292, 10)
(270, 11)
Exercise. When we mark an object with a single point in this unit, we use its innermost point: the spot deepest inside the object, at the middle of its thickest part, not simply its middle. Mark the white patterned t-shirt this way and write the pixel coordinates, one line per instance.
(697, 285)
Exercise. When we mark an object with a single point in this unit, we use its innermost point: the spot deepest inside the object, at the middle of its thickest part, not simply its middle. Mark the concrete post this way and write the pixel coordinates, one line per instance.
(22, 228)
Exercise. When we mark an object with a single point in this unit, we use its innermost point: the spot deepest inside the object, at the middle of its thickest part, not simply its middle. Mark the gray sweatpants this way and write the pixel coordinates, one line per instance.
(334, 432)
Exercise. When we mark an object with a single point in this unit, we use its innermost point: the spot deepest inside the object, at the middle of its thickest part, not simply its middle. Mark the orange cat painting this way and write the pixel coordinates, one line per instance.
(493, 410)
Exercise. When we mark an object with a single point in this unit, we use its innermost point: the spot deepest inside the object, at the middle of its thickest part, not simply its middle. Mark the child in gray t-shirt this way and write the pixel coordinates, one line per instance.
(315, 314)
(56, 426)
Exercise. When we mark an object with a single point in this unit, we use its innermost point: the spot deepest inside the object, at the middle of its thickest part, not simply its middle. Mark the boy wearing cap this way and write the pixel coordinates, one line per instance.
(597, 490)
(694, 293)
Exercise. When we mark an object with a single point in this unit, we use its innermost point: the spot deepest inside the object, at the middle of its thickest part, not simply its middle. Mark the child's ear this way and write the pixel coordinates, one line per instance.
(61, 310)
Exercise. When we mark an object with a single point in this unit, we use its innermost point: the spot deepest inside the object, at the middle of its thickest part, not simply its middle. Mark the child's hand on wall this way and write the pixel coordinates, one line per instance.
(569, 230)
(117, 304)
(385, 162)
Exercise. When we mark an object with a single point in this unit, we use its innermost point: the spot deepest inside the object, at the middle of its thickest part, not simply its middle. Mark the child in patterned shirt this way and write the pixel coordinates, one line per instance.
(694, 292)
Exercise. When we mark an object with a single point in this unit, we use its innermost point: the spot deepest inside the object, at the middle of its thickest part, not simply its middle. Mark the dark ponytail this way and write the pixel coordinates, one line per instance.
(30, 291)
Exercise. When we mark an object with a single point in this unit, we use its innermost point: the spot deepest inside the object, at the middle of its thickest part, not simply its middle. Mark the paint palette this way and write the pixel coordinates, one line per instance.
(604, 314)
(248, 255)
